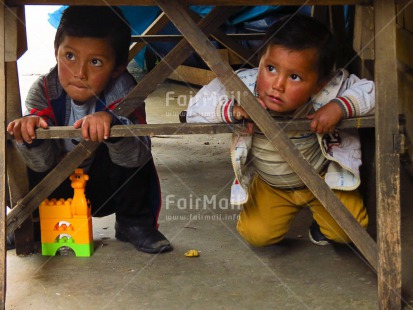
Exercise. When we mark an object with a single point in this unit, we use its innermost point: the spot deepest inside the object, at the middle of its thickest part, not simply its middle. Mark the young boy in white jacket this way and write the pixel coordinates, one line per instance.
(295, 79)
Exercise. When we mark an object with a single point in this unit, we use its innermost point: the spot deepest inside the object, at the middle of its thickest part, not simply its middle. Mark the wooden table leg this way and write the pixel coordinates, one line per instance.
(2, 161)
(172, 60)
(18, 186)
(249, 57)
(387, 158)
(17, 178)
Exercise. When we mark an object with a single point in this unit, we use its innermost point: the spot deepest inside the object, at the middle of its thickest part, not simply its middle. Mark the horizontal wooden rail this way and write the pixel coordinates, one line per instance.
(190, 2)
(68, 132)
(177, 37)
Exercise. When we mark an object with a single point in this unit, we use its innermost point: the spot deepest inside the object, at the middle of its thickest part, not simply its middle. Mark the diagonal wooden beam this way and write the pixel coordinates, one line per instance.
(271, 129)
(31, 201)
(189, 2)
(72, 160)
(170, 62)
(247, 56)
(157, 25)
(17, 178)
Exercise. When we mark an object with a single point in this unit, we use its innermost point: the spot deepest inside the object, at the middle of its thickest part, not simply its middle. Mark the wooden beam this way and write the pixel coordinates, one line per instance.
(272, 130)
(190, 2)
(193, 75)
(404, 46)
(178, 37)
(31, 201)
(363, 39)
(68, 132)
(170, 62)
(154, 28)
(387, 159)
(18, 184)
(16, 42)
(13, 102)
(2, 160)
(17, 178)
(247, 56)
(141, 130)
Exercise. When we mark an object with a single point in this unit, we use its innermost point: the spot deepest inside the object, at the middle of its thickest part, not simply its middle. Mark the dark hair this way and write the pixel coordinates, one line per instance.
(96, 22)
(299, 32)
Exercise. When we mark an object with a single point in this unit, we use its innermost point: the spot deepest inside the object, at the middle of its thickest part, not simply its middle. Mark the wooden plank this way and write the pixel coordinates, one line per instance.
(171, 61)
(18, 184)
(363, 39)
(272, 131)
(196, 76)
(142, 130)
(192, 75)
(247, 56)
(201, 77)
(407, 12)
(154, 28)
(2, 161)
(16, 42)
(387, 160)
(178, 37)
(404, 46)
(13, 101)
(30, 202)
(189, 2)
(405, 81)
(17, 178)
(68, 132)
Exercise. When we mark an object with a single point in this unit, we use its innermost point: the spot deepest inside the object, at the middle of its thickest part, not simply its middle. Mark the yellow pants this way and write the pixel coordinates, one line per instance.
(268, 213)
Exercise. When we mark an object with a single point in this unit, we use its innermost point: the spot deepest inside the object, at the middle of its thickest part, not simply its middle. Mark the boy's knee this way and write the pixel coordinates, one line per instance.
(354, 204)
(258, 234)
(336, 234)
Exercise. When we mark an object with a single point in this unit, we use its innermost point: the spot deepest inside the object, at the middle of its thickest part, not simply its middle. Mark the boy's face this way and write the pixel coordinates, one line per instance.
(287, 78)
(85, 66)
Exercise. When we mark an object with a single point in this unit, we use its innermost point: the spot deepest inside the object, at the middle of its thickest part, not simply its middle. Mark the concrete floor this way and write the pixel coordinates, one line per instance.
(229, 274)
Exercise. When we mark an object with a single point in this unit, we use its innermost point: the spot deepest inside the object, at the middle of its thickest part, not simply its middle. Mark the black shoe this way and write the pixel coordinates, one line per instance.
(316, 236)
(145, 239)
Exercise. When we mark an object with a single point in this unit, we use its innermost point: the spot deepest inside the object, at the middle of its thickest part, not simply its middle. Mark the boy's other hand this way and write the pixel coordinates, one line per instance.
(24, 129)
(95, 127)
(325, 119)
(239, 113)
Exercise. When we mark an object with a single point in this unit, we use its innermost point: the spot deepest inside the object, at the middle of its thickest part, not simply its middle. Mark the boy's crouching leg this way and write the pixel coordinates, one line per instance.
(353, 201)
(267, 215)
(256, 233)
(133, 195)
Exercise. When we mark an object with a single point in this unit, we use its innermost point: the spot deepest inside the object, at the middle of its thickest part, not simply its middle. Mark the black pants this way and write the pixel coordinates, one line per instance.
(113, 189)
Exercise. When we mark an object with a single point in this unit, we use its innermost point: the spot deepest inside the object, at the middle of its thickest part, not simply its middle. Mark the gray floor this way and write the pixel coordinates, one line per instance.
(229, 274)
